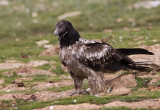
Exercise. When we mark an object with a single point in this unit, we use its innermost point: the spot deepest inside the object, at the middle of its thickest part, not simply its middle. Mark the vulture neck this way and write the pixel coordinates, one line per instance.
(69, 38)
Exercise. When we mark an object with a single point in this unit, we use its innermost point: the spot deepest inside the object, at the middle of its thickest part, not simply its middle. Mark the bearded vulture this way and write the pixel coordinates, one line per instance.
(90, 59)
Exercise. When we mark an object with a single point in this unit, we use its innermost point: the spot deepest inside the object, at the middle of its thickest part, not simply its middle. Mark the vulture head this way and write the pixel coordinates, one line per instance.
(62, 28)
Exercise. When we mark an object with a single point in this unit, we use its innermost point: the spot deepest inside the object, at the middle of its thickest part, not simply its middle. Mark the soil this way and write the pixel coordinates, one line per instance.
(148, 104)
(28, 71)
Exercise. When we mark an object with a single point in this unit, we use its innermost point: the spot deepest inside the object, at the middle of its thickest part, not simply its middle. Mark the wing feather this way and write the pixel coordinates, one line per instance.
(101, 56)
(98, 53)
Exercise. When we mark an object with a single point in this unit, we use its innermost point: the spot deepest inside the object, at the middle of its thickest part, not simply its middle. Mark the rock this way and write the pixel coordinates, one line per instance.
(108, 30)
(153, 88)
(48, 46)
(139, 38)
(136, 29)
(126, 29)
(155, 80)
(65, 77)
(2, 81)
(149, 76)
(118, 20)
(11, 64)
(34, 14)
(148, 104)
(131, 20)
(145, 4)
(69, 14)
(84, 106)
(119, 85)
(124, 80)
(120, 91)
(150, 59)
(4, 2)
(52, 50)
(42, 42)
(36, 63)
(109, 77)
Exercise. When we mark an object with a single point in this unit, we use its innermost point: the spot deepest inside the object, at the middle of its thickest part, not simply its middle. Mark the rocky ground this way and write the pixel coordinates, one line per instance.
(32, 76)
(28, 83)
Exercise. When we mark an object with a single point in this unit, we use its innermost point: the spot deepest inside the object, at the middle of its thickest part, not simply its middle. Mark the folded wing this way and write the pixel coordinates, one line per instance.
(101, 56)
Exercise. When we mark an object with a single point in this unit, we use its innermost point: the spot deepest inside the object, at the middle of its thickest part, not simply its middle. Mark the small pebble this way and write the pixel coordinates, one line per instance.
(51, 107)
(8, 90)
(75, 101)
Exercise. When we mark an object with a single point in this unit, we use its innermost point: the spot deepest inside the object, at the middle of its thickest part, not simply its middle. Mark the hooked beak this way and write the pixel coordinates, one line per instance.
(56, 32)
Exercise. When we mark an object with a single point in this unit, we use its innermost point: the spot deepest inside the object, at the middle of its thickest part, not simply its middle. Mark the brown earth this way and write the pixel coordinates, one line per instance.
(125, 80)
(2, 81)
(148, 104)
(52, 50)
(42, 42)
(11, 64)
(18, 85)
(28, 71)
(37, 96)
(151, 59)
(43, 85)
(115, 84)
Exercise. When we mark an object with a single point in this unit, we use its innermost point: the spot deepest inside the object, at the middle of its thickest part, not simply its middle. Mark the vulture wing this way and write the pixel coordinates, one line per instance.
(102, 56)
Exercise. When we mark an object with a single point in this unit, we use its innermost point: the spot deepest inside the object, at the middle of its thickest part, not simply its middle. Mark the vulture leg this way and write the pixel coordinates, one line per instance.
(78, 85)
(96, 83)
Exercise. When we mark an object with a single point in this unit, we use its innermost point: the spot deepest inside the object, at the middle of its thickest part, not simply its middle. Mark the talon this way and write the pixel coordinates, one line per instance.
(83, 92)
(73, 93)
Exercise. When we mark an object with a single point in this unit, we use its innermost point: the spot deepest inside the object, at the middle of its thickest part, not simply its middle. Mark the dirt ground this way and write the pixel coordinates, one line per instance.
(148, 104)
(116, 84)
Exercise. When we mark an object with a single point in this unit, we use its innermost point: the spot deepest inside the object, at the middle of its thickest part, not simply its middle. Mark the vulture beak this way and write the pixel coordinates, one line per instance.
(56, 32)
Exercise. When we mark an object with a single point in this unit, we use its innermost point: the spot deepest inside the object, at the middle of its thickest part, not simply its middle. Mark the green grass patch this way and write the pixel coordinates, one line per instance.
(40, 78)
(65, 88)
(23, 23)
(142, 83)
(28, 91)
(137, 96)
(44, 67)
(6, 105)
(10, 79)
(23, 105)
(60, 89)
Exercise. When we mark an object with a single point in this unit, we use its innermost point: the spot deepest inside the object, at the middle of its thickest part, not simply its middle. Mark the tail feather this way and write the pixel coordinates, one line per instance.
(132, 51)
(144, 66)
(148, 65)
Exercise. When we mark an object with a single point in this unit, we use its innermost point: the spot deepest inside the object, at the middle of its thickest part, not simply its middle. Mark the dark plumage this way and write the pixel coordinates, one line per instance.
(90, 59)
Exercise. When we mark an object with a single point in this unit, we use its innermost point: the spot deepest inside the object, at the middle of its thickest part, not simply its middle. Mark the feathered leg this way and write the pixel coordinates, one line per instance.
(78, 85)
(96, 83)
